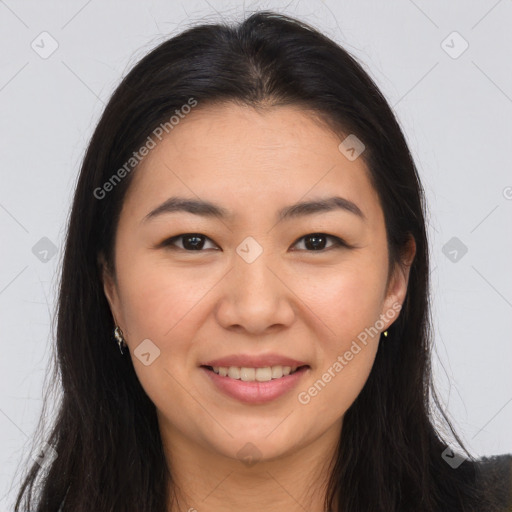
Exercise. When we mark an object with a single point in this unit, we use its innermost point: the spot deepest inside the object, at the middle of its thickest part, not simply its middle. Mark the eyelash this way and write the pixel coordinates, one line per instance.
(337, 242)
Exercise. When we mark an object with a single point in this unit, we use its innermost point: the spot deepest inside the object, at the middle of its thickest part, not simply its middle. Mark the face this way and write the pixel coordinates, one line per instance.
(198, 287)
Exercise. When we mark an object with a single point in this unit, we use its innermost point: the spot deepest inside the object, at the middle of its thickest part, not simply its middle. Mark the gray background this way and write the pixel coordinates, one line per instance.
(455, 108)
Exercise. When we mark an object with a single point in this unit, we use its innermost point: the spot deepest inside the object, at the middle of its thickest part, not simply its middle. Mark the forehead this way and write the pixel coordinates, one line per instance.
(250, 160)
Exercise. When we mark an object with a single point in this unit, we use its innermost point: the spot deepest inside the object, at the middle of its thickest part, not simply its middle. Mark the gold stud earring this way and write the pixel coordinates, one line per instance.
(385, 333)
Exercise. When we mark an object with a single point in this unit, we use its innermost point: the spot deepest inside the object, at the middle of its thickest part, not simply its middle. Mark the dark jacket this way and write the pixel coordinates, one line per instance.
(494, 477)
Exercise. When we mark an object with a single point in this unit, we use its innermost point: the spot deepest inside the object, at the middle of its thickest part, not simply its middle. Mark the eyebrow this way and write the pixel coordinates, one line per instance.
(209, 209)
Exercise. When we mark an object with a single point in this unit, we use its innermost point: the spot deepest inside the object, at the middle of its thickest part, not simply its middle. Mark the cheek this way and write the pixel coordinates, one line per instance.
(157, 299)
(346, 299)
(163, 304)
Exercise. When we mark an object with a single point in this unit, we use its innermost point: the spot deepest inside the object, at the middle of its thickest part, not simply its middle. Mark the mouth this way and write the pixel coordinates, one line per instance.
(260, 374)
(255, 385)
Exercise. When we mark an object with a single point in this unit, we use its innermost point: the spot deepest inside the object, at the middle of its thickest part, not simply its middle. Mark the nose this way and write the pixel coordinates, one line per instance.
(255, 297)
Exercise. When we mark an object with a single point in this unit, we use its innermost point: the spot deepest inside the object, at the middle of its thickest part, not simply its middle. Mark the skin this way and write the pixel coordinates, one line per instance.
(200, 305)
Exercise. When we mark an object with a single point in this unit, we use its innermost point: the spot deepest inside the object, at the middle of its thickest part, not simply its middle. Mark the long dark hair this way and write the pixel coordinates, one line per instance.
(106, 435)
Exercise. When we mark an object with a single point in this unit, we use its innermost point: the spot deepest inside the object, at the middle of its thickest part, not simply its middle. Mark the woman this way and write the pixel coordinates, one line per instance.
(243, 319)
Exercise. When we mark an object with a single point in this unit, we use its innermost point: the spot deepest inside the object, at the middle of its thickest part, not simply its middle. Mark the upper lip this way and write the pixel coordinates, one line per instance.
(254, 361)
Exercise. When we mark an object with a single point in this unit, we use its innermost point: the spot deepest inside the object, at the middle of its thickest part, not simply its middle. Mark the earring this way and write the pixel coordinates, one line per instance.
(385, 333)
(118, 333)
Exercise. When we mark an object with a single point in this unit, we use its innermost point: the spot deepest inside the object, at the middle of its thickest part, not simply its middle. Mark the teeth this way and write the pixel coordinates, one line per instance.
(263, 374)
(234, 372)
(247, 374)
(254, 374)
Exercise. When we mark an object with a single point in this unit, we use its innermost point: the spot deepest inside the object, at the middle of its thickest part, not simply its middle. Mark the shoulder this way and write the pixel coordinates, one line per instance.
(494, 479)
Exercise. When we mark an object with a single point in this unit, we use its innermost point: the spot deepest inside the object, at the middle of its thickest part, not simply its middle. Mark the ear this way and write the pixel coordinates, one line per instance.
(109, 288)
(399, 281)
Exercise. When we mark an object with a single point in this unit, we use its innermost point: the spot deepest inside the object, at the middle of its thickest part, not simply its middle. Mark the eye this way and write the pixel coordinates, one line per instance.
(190, 242)
(317, 241)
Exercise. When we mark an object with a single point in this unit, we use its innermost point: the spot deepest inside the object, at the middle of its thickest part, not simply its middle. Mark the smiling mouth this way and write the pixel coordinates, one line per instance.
(264, 374)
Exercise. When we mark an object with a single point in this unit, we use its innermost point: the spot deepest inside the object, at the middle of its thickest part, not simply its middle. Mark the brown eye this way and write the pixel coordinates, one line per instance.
(190, 242)
(317, 242)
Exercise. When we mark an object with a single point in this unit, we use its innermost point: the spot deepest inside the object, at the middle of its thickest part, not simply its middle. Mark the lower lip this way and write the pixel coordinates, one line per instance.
(256, 392)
